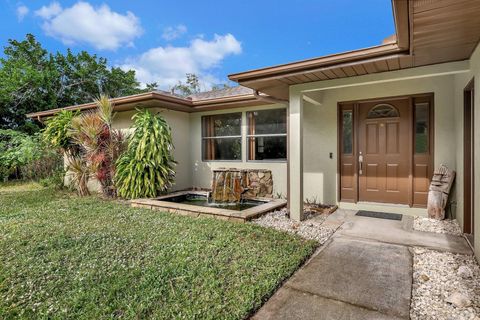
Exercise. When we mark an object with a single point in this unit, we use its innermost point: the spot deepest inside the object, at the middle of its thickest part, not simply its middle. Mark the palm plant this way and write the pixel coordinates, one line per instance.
(147, 167)
(79, 174)
(101, 145)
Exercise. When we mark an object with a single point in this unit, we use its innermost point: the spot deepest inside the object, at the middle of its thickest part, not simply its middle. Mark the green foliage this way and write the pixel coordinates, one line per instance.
(26, 157)
(100, 146)
(55, 180)
(147, 167)
(65, 257)
(191, 85)
(220, 86)
(16, 150)
(31, 80)
(56, 131)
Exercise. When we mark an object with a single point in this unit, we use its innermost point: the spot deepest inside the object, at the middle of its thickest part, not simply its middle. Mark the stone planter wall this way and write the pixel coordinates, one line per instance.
(228, 185)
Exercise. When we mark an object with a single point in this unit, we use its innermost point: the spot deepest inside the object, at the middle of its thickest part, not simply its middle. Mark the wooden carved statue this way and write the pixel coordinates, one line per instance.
(438, 192)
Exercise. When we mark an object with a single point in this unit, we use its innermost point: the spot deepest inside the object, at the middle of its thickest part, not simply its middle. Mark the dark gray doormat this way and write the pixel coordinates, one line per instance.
(379, 215)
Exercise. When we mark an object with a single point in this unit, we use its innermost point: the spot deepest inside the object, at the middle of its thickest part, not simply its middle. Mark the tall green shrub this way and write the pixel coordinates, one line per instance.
(147, 167)
(57, 130)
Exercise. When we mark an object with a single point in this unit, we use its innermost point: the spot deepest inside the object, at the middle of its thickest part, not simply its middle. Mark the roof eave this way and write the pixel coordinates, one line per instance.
(173, 103)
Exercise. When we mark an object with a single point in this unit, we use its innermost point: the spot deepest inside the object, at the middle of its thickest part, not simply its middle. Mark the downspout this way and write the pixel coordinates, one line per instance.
(267, 98)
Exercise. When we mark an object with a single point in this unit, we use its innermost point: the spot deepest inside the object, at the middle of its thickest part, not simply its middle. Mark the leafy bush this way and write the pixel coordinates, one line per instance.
(55, 180)
(26, 157)
(47, 163)
(16, 149)
(56, 131)
(147, 167)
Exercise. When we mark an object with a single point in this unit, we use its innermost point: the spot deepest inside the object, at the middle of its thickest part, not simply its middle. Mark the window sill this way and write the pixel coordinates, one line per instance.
(268, 161)
(237, 161)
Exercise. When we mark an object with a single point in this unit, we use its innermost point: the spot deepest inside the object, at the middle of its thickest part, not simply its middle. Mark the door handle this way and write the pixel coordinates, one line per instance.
(360, 163)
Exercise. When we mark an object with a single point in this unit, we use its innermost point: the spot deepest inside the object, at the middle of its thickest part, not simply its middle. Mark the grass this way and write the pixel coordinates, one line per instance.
(69, 257)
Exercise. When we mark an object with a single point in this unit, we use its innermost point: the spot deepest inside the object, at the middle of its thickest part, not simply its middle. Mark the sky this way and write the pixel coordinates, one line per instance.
(164, 40)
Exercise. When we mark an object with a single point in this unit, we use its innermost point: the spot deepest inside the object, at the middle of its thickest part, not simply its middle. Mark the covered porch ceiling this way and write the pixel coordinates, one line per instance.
(427, 32)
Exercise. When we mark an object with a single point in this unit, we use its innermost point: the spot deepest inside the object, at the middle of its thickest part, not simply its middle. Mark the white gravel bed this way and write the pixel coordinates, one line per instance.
(437, 226)
(311, 228)
(445, 286)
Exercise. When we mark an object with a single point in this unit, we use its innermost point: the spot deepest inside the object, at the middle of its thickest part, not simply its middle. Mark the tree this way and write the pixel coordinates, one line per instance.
(191, 85)
(27, 80)
(220, 86)
(31, 80)
(151, 86)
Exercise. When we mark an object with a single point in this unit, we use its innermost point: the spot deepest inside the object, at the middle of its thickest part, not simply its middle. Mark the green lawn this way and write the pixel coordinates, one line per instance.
(68, 257)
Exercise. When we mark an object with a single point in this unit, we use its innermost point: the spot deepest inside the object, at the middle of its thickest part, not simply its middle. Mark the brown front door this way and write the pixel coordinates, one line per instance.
(384, 151)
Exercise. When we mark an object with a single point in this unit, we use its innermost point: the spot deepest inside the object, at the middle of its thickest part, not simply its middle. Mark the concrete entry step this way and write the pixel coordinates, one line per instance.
(348, 277)
(396, 232)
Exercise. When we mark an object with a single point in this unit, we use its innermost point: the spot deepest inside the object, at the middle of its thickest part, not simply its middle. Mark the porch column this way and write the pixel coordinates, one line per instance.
(295, 154)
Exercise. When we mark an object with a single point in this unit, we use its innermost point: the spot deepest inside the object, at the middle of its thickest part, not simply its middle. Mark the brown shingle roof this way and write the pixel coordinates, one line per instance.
(221, 93)
(217, 99)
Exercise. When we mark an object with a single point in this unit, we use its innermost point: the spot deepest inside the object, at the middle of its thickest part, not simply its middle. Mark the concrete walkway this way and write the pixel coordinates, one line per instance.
(363, 272)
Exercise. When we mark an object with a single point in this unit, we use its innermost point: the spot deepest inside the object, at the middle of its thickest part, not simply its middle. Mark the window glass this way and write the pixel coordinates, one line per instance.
(221, 137)
(421, 127)
(267, 135)
(222, 125)
(268, 148)
(347, 132)
(382, 110)
(270, 121)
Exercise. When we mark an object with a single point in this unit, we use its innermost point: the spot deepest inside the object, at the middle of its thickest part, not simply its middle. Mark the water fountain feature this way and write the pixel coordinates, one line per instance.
(236, 195)
(233, 185)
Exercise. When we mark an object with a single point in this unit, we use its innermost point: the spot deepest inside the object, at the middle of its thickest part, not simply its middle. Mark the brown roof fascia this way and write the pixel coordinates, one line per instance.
(173, 103)
(137, 98)
(243, 97)
(401, 18)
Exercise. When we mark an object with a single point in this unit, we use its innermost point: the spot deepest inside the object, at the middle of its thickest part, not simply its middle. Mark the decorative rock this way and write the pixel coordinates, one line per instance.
(447, 294)
(465, 272)
(230, 185)
(459, 300)
(437, 226)
(311, 228)
(424, 277)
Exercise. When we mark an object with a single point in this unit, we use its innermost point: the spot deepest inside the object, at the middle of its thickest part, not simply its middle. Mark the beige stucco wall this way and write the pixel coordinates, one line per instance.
(320, 122)
(461, 81)
(180, 124)
(202, 170)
